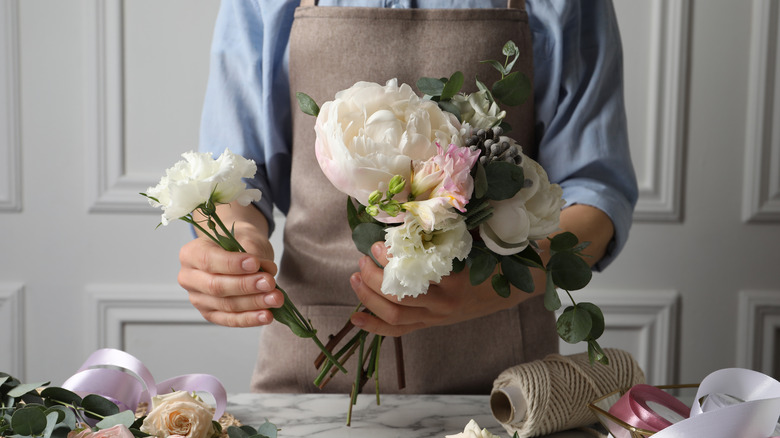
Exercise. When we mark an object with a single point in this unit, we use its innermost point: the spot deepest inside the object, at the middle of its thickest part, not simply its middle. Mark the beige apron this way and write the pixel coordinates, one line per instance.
(331, 48)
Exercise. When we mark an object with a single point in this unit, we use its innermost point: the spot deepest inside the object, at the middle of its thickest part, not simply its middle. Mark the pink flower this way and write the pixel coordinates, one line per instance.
(447, 174)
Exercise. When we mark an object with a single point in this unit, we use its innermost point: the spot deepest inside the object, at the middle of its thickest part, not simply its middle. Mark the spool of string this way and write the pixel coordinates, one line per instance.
(552, 394)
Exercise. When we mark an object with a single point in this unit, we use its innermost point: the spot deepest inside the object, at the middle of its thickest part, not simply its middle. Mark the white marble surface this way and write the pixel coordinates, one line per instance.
(401, 416)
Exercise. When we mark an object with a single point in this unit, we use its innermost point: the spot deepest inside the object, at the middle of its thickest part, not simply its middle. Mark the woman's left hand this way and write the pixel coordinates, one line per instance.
(450, 301)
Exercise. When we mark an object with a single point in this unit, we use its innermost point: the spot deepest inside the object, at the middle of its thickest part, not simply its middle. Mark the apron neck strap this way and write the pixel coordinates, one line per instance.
(510, 4)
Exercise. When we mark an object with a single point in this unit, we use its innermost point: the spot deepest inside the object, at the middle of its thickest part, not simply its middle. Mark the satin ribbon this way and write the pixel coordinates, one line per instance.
(732, 402)
(649, 408)
(132, 383)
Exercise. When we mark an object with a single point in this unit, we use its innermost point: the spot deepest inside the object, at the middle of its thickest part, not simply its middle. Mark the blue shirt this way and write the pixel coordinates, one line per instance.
(578, 92)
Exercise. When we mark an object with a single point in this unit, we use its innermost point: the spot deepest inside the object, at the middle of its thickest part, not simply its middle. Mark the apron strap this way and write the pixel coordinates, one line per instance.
(308, 3)
(515, 4)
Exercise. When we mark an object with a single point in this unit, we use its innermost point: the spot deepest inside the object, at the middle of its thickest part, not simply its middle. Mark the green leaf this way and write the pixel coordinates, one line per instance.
(352, 214)
(497, 65)
(480, 181)
(482, 87)
(552, 301)
(240, 432)
(597, 317)
(51, 423)
(228, 244)
(98, 407)
(517, 273)
(501, 285)
(530, 257)
(450, 108)
(482, 265)
(67, 417)
(61, 395)
(596, 354)
(513, 89)
(366, 234)
(125, 418)
(267, 429)
(563, 242)
(574, 324)
(431, 86)
(504, 180)
(307, 104)
(24, 388)
(453, 86)
(458, 265)
(28, 421)
(510, 49)
(569, 271)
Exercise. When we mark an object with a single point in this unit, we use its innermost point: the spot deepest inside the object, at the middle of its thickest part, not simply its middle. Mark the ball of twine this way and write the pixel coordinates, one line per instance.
(557, 389)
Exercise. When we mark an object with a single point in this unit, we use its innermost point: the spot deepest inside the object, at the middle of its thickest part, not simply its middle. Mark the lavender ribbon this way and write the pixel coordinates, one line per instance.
(132, 383)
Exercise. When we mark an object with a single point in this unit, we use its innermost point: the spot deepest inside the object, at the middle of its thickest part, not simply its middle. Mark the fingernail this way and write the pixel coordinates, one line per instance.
(263, 317)
(358, 319)
(355, 279)
(377, 249)
(249, 265)
(271, 300)
(263, 285)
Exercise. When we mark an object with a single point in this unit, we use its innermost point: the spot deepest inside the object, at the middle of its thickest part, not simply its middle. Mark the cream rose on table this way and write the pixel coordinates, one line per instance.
(179, 413)
(370, 132)
(472, 430)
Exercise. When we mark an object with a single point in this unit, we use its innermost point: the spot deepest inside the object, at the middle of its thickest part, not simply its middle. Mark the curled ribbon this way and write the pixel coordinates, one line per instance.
(132, 383)
(649, 408)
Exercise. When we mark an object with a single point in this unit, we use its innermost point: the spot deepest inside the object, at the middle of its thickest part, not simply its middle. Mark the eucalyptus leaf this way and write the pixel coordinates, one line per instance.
(458, 265)
(51, 423)
(450, 108)
(510, 49)
(574, 325)
(24, 388)
(512, 90)
(68, 418)
(480, 181)
(61, 395)
(307, 104)
(240, 432)
(530, 257)
(501, 285)
(431, 86)
(482, 87)
(268, 429)
(125, 418)
(352, 214)
(497, 65)
(569, 271)
(596, 354)
(28, 421)
(552, 301)
(453, 86)
(366, 234)
(597, 329)
(517, 274)
(482, 265)
(563, 242)
(504, 180)
(98, 407)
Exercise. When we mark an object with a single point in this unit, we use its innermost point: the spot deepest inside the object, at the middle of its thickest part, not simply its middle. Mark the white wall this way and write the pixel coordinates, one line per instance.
(99, 96)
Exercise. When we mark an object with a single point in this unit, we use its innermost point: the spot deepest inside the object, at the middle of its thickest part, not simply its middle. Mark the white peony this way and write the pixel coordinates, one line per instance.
(532, 214)
(472, 430)
(477, 110)
(418, 258)
(370, 133)
(191, 182)
(179, 413)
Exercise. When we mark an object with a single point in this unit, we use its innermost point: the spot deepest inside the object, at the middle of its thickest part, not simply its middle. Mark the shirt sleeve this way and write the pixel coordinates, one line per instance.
(240, 112)
(581, 121)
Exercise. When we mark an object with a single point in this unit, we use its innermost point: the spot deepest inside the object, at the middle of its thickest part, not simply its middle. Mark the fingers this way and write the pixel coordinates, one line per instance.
(203, 254)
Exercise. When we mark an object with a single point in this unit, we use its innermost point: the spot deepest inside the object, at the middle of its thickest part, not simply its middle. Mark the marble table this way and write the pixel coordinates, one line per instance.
(399, 416)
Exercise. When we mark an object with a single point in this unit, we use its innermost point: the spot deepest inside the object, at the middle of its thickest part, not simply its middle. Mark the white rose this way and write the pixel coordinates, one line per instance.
(477, 110)
(418, 258)
(370, 133)
(532, 214)
(472, 430)
(179, 413)
(192, 181)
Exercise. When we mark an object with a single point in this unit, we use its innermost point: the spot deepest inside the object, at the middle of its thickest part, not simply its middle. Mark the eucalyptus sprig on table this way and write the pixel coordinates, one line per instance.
(42, 411)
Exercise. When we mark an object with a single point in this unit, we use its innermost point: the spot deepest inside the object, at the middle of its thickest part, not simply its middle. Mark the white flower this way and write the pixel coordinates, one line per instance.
(477, 110)
(418, 258)
(472, 430)
(191, 182)
(370, 133)
(179, 413)
(532, 214)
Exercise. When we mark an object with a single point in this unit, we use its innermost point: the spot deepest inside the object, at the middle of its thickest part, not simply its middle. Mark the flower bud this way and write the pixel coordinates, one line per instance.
(392, 208)
(396, 185)
(372, 210)
(375, 197)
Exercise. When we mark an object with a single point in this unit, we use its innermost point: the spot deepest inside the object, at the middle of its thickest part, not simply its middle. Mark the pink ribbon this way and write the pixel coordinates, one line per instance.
(132, 383)
(635, 409)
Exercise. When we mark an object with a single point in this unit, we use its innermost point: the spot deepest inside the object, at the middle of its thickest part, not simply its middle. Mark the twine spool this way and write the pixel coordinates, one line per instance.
(552, 394)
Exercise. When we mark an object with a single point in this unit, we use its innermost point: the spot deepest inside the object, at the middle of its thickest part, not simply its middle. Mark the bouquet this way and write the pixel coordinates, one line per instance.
(438, 180)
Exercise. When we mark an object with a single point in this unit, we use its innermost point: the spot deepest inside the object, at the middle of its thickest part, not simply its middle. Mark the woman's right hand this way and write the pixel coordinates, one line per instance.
(229, 288)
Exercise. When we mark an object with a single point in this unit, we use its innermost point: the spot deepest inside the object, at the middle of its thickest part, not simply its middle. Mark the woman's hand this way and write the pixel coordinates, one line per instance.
(227, 287)
(450, 301)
